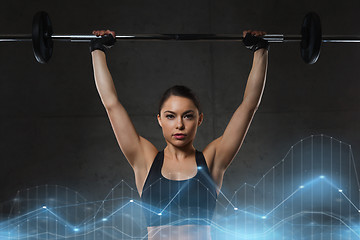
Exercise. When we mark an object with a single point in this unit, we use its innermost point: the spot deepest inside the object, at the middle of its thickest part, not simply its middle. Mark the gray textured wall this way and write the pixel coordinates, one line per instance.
(54, 129)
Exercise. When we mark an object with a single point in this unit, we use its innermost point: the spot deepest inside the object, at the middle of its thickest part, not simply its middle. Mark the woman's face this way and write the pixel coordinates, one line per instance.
(179, 120)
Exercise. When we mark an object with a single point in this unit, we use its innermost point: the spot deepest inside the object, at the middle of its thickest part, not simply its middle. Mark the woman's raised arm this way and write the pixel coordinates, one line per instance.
(133, 146)
(227, 146)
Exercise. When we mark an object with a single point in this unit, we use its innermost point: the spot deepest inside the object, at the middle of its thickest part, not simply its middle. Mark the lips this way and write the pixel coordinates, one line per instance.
(179, 135)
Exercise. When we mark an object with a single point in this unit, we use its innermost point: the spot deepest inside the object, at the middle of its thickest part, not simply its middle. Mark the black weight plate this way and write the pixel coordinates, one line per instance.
(311, 38)
(41, 37)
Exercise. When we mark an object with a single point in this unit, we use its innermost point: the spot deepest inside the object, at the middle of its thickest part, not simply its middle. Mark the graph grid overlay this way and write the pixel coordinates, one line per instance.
(313, 192)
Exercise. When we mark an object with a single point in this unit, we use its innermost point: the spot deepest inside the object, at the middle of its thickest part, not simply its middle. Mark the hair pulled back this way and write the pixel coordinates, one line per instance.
(180, 91)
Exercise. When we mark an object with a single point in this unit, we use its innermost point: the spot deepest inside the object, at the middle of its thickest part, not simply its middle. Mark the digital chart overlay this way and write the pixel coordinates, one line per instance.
(311, 193)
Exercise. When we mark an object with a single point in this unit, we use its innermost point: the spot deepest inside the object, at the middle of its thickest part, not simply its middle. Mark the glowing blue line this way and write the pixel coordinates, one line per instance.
(283, 202)
(118, 210)
(148, 209)
(183, 186)
(62, 220)
(12, 222)
(357, 209)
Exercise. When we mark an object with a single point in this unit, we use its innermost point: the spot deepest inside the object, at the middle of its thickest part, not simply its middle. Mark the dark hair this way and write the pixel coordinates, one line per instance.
(181, 91)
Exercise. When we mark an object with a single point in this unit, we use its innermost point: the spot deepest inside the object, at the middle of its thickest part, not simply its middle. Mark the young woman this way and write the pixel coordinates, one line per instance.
(179, 185)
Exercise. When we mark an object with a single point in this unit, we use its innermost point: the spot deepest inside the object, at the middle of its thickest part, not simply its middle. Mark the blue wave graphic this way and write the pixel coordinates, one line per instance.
(313, 192)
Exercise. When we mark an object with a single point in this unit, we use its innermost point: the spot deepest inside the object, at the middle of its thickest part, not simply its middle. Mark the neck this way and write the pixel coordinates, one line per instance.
(180, 152)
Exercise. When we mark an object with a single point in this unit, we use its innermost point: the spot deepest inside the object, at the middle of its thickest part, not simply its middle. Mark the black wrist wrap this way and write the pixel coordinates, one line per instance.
(255, 43)
(103, 43)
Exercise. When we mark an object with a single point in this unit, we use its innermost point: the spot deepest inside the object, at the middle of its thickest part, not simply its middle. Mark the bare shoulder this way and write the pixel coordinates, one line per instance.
(146, 154)
(142, 162)
(210, 153)
(216, 172)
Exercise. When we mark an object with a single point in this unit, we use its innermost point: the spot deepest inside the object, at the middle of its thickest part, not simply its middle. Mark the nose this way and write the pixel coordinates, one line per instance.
(180, 123)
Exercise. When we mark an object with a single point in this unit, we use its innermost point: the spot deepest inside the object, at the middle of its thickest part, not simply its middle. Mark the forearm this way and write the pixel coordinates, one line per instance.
(103, 80)
(257, 78)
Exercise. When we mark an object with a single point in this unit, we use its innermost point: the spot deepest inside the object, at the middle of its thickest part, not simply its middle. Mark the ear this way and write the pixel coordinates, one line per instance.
(159, 120)
(201, 118)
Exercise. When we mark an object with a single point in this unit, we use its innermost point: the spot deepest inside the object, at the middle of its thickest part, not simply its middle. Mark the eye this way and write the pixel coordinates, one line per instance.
(189, 116)
(169, 116)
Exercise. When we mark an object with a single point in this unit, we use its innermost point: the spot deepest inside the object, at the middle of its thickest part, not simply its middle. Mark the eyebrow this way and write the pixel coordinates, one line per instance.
(188, 111)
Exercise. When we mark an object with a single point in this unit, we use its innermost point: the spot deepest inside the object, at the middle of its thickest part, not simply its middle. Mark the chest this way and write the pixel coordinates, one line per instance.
(179, 170)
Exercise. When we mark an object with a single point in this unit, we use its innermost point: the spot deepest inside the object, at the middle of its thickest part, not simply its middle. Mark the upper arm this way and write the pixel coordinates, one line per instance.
(133, 146)
(227, 146)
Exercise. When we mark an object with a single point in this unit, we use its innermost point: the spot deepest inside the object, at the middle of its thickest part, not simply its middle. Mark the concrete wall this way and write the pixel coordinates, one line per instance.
(54, 129)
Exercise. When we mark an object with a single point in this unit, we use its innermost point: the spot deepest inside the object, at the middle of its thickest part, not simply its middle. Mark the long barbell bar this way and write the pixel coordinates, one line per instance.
(310, 39)
(15, 38)
(146, 37)
(168, 37)
(274, 38)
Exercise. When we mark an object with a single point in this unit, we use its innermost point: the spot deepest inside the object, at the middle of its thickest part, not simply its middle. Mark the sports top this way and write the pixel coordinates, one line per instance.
(178, 202)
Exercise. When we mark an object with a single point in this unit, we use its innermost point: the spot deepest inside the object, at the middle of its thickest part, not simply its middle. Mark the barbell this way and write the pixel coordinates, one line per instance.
(310, 39)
